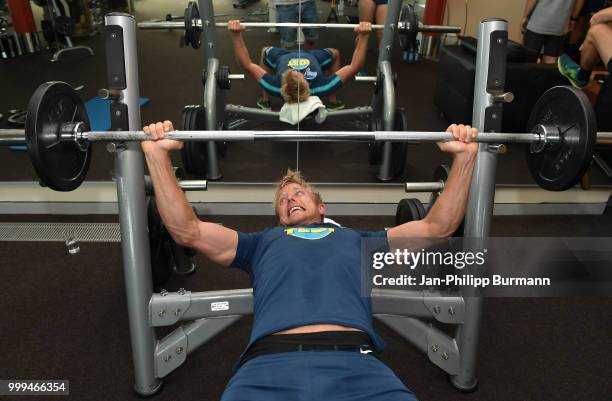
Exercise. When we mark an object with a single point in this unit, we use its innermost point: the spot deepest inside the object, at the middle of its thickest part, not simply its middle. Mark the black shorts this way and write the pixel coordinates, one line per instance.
(610, 66)
(552, 44)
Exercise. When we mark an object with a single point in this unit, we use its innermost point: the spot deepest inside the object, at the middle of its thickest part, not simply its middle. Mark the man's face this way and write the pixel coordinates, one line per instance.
(296, 205)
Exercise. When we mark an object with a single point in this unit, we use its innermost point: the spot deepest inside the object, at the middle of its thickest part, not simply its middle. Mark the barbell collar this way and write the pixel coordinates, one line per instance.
(550, 138)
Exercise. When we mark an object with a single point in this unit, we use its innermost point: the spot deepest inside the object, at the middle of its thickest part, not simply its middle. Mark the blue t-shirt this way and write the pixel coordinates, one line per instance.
(310, 63)
(306, 275)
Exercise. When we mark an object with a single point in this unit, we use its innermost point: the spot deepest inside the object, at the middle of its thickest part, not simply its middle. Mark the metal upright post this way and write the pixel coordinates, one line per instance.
(209, 30)
(382, 104)
(394, 9)
(213, 98)
(122, 72)
(487, 113)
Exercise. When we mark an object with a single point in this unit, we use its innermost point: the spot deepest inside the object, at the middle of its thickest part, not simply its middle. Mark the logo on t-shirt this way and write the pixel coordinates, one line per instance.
(298, 63)
(309, 233)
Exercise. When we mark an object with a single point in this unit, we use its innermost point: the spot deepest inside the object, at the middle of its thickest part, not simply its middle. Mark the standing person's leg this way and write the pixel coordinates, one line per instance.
(264, 101)
(287, 13)
(381, 14)
(367, 10)
(367, 13)
(310, 15)
(553, 47)
(597, 46)
(533, 40)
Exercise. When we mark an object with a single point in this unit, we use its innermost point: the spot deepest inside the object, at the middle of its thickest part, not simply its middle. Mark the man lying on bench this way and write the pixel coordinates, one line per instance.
(297, 75)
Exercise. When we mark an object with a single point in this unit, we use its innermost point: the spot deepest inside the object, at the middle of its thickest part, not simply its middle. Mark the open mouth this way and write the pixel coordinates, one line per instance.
(295, 209)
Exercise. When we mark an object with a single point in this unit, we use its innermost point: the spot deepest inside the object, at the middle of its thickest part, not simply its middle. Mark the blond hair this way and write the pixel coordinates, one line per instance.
(295, 177)
(294, 88)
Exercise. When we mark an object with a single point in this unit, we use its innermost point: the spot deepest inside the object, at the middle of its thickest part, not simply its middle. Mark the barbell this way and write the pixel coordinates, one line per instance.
(193, 25)
(562, 135)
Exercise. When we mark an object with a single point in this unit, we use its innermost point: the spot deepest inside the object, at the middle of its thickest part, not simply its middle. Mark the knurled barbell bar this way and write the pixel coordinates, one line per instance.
(562, 136)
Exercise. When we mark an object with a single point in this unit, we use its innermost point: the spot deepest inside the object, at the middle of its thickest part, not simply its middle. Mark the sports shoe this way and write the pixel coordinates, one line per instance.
(335, 106)
(264, 104)
(569, 69)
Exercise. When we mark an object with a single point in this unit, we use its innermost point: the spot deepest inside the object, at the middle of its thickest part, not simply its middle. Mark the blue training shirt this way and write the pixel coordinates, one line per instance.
(310, 63)
(306, 275)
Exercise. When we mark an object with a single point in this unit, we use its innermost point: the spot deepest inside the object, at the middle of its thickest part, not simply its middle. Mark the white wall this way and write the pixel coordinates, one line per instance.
(477, 10)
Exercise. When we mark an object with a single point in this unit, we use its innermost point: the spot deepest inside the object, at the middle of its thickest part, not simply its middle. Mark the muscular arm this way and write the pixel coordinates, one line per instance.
(216, 242)
(348, 72)
(448, 211)
(243, 58)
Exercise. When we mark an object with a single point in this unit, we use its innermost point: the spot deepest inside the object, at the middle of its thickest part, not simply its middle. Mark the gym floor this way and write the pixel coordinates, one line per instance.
(64, 317)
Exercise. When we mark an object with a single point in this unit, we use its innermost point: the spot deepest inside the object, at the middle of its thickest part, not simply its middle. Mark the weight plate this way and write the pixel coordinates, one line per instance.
(186, 150)
(192, 32)
(199, 155)
(375, 148)
(61, 165)
(184, 158)
(399, 150)
(194, 154)
(562, 166)
(161, 254)
(223, 77)
(409, 210)
(441, 174)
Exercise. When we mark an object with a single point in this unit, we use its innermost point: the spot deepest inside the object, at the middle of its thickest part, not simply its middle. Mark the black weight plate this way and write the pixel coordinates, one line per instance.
(399, 150)
(199, 154)
(183, 264)
(375, 148)
(192, 33)
(184, 155)
(409, 210)
(186, 150)
(441, 174)
(563, 166)
(192, 150)
(223, 77)
(61, 165)
(161, 254)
